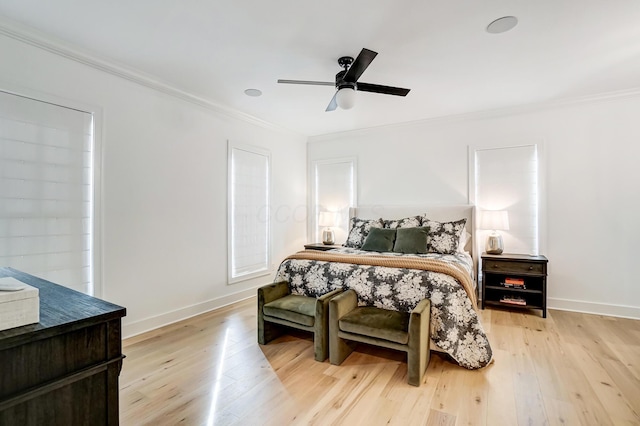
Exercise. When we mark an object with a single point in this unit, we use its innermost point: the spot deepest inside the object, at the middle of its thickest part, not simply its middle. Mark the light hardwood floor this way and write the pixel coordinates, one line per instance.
(569, 368)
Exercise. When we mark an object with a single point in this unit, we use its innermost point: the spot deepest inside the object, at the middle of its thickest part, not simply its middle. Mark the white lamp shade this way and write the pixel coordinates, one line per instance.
(497, 220)
(327, 219)
(346, 98)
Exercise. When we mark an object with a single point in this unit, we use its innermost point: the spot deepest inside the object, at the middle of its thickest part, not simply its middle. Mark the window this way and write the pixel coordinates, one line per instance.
(506, 178)
(248, 215)
(46, 191)
(334, 190)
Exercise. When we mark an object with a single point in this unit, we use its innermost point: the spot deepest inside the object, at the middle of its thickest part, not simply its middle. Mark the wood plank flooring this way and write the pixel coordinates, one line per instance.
(567, 369)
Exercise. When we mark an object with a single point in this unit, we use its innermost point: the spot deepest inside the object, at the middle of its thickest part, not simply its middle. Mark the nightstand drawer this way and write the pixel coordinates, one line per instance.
(514, 267)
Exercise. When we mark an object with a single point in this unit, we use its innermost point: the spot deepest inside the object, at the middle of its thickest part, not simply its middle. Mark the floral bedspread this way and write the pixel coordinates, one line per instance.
(455, 326)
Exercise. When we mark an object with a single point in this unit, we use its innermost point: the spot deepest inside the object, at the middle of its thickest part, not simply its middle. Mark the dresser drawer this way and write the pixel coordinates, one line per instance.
(513, 267)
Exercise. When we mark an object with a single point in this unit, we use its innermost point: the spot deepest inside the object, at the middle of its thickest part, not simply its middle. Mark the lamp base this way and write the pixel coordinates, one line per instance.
(328, 237)
(494, 244)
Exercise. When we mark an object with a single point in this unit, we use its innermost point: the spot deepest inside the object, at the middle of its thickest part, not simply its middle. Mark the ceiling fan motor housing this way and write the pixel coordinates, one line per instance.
(341, 84)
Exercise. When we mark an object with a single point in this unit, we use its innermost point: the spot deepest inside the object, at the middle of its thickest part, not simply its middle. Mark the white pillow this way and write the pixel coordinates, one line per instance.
(464, 237)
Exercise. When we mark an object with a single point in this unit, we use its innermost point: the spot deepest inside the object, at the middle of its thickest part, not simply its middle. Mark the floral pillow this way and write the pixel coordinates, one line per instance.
(444, 237)
(359, 229)
(407, 222)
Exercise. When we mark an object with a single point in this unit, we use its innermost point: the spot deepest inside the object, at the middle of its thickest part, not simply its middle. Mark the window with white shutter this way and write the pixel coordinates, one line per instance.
(46, 191)
(333, 189)
(248, 215)
(506, 178)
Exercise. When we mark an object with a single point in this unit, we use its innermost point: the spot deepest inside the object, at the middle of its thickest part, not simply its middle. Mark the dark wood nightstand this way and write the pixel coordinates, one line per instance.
(320, 246)
(515, 281)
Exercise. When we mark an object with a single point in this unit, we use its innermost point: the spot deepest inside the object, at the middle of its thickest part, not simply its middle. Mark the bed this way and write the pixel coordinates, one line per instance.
(446, 274)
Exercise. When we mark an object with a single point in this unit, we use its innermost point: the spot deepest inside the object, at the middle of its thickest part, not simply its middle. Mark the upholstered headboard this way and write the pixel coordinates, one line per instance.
(441, 213)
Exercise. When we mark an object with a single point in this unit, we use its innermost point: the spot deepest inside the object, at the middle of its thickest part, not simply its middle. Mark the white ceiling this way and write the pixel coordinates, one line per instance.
(439, 49)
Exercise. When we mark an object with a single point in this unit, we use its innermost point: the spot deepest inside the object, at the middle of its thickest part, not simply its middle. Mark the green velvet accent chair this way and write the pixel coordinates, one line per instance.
(279, 309)
(403, 331)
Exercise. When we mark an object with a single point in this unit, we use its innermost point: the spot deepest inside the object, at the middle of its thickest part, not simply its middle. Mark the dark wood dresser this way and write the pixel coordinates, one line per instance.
(63, 370)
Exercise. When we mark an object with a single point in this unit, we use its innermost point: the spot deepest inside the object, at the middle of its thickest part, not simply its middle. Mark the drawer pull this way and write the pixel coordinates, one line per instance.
(530, 268)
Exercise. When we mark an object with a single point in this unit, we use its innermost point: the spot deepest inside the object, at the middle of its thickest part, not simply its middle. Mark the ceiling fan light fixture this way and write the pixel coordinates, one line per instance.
(346, 97)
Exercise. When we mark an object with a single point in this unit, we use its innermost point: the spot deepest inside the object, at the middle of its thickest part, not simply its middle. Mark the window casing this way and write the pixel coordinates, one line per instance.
(507, 178)
(248, 212)
(333, 189)
(47, 191)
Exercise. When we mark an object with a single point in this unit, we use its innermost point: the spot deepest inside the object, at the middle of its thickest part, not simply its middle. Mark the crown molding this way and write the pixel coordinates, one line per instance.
(490, 113)
(37, 39)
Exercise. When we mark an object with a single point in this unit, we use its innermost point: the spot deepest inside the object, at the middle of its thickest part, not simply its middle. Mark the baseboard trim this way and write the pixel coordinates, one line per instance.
(622, 311)
(151, 323)
(142, 326)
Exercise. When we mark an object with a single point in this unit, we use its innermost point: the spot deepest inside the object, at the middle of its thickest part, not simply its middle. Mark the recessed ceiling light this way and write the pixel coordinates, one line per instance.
(253, 92)
(502, 25)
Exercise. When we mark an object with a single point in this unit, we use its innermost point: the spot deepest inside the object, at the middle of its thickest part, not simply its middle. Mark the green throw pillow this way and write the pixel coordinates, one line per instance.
(379, 239)
(411, 240)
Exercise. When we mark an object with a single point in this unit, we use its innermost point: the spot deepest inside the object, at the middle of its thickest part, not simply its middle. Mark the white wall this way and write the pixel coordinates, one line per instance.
(590, 166)
(164, 172)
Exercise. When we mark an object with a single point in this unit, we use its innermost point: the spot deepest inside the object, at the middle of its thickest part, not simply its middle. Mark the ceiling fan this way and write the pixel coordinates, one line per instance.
(347, 81)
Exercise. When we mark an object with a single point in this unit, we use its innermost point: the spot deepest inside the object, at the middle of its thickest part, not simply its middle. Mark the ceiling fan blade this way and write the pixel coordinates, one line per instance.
(312, 83)
(333, 104)
(359, 65)
(386, 90)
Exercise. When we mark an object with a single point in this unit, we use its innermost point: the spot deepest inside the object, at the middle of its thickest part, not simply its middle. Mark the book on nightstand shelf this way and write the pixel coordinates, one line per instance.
(513, 300)
(514, 283)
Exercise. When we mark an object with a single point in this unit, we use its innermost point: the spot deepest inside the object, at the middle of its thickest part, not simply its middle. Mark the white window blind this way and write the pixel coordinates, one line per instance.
(46, 190)
(507, 179)
(334, 190)
(249, 247)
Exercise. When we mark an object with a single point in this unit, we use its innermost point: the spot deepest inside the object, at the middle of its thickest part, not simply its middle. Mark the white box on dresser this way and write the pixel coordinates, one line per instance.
(20, 307)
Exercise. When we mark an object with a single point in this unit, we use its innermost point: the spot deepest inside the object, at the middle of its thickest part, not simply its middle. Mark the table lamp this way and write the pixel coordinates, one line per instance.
(494, 220)
(327, 220)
